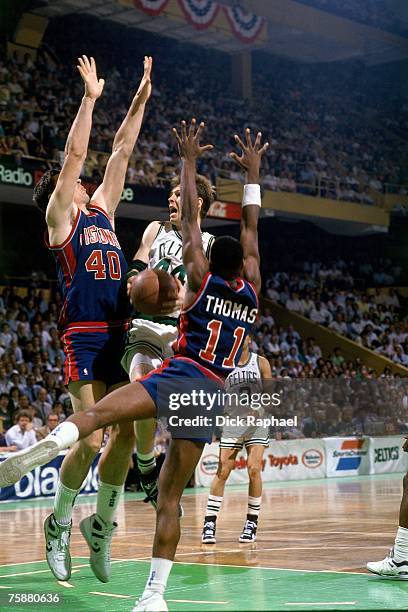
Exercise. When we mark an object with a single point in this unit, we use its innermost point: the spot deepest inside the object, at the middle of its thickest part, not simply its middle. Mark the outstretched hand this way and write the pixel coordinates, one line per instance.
(252, 152)
(87, 70)
(145, 88)
(189, 143)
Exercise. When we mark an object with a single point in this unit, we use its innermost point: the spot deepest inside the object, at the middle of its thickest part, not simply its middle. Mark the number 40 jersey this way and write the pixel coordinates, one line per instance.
(91, 270)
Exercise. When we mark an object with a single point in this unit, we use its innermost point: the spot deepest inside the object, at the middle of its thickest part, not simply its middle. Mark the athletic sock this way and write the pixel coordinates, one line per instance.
(146, 463)
(159, 573)
(107, 501)
(254, 506)
(65, 435)
(213, 506)
(401, 545)
(64, 503)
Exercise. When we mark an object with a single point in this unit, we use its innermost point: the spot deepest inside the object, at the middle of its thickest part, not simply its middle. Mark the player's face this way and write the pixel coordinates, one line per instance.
(81, 197)
(174, 206)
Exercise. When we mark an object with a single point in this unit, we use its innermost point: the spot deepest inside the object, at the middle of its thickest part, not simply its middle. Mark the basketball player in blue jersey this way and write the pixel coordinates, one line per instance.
(91, 274)
(220, 307)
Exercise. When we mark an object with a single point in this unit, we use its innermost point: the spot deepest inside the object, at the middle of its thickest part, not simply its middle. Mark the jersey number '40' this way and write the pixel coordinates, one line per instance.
(95, 264)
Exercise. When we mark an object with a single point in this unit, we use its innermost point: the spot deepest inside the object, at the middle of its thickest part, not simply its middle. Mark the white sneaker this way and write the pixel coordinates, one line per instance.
(57, 538)
(98, 536)
(208, 534)
(22, 462)
(150, 602)
(389, 568)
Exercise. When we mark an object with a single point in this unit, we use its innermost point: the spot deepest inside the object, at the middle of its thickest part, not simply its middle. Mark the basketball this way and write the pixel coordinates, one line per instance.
(150, 289)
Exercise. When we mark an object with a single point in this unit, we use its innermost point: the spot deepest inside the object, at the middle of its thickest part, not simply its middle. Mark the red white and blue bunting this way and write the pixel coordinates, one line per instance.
(151, 7)
(200, 13)
(246, 26)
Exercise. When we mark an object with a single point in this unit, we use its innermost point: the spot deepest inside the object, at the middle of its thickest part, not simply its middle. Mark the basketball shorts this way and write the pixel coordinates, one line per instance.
(94, 356)
(252, 436)
(149, 343)
(182, 376)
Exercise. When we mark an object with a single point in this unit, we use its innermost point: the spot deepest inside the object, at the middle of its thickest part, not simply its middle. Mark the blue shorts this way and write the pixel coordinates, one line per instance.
(94, 355)
(181, 375)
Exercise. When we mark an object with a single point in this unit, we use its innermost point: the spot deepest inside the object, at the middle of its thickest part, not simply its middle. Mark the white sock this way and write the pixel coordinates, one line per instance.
(65, 435)
(159, 573)
(401, 545)
(254, 505)
(107, 501)
(64, 503)
(213, 506)
(146, 462)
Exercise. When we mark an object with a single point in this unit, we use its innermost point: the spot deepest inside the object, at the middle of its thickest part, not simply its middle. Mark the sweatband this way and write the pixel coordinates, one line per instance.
(252, 195)
(135, 268)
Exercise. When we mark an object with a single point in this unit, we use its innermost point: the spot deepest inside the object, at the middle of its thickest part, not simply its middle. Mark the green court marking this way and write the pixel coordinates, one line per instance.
(205, 587)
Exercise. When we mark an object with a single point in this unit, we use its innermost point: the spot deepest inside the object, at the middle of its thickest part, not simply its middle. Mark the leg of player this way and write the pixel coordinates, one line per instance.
(226, 463)
(113, 467)
(181, 460)
(129, 403)
(254, 466)
(140, 365)
(75, 467)
(395, 563)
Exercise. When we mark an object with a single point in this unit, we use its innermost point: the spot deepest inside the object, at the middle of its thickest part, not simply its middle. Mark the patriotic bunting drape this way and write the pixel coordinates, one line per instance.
(151, 7)
(202, 13)
(246, 26)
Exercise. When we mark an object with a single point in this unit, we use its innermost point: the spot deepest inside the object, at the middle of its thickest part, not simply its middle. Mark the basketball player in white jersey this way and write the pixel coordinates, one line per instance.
(150, 338)
(247, 378)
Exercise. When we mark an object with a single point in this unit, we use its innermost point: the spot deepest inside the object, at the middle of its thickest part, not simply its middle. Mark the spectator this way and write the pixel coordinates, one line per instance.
(21, 435)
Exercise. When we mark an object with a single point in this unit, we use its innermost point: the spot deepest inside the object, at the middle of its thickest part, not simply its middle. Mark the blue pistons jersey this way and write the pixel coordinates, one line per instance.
(91, 272)
(213, 328)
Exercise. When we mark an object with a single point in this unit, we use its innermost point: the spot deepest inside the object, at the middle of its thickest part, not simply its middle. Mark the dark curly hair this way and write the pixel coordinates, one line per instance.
(205, 191)
(44, 188)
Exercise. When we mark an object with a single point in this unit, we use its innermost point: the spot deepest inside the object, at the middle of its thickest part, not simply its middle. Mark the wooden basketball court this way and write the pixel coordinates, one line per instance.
(314, 539)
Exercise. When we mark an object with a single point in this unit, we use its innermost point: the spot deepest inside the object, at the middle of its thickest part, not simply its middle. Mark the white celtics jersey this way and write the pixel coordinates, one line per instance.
(245, 376)
(166, 251)
(244, 381)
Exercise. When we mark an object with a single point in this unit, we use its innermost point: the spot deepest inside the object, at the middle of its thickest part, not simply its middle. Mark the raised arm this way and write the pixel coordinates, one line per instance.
(108, 193)
(60, 209)
(194, 260)
(250, 161)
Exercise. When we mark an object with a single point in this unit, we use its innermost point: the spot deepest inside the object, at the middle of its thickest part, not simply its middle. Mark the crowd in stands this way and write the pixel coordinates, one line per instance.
(379, 14)
(324, 140)
(34, 399)
(329, 296)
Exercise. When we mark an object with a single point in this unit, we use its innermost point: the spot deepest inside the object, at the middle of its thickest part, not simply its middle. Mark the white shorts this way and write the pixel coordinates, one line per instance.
(252, 436)
(148, 343)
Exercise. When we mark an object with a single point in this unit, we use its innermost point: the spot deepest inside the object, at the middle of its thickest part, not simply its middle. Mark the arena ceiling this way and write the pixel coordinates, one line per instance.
(294, 31)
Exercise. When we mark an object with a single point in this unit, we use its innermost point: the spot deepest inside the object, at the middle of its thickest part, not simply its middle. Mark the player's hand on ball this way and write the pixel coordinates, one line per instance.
(87, 70)
(171, 306)
(251, 151)
(189, 142)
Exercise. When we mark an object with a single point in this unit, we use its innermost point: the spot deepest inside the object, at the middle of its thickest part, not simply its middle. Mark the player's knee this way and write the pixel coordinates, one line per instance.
(123, 434)
(223, 472)
(254, 470)
(88, 447)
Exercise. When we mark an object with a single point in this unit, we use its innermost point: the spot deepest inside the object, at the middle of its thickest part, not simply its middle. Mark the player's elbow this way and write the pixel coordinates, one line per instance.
(122, 150)
(76, 153)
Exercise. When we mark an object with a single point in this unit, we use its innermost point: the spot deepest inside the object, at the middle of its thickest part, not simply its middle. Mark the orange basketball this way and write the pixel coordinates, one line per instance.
(150, 289)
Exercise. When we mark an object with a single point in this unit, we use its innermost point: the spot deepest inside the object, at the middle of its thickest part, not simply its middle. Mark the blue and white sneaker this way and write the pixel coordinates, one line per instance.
(389, 568)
